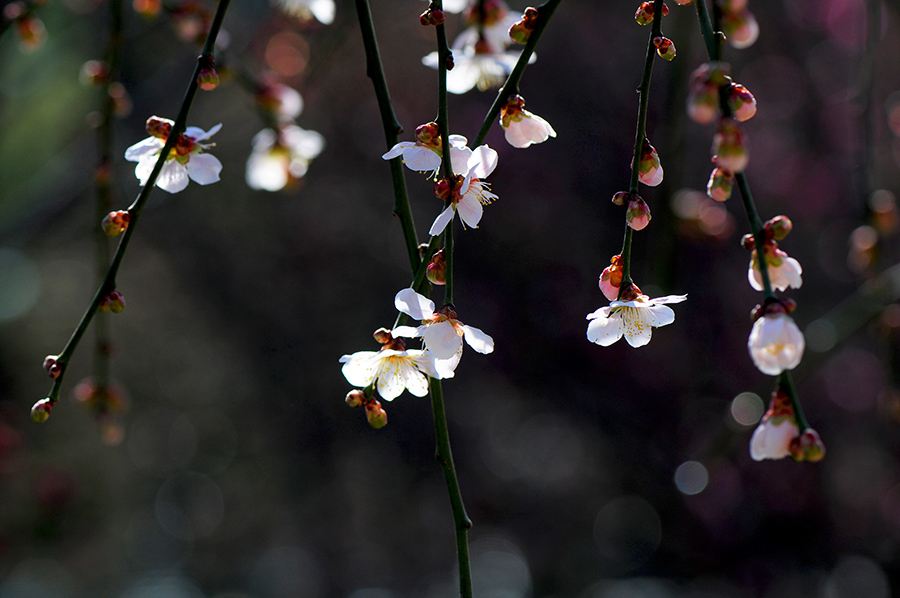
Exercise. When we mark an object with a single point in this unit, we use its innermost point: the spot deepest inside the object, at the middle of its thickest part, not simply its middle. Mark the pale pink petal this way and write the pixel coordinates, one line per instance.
(397, 150)
(482, 162)
(142, 149)
(421, 159)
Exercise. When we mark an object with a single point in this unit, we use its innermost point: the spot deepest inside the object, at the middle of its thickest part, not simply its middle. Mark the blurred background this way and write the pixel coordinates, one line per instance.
(237, 471)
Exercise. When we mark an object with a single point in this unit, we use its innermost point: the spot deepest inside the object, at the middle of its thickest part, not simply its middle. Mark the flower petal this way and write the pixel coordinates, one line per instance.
(144, 148)
(172, 178)
(445, 368)
(421, 159)
(204, 169)
(442, 339)
(359, 368)
(605, 330)
(483, 161)
(397, 150)
(477, 339)
(407, 331)
(440, 223)
(413, 304)
(470, 210)
(390, 378)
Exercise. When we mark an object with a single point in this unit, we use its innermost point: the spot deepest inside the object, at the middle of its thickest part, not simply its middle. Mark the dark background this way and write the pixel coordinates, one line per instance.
(243, 474)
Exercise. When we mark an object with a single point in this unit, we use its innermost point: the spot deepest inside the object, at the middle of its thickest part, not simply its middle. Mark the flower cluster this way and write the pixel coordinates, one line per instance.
(186, 159)
(282, 153)
(784, 271)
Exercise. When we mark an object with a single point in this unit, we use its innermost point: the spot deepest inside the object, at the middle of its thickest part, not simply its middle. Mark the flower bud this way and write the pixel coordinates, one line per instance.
(208, 79)
(40, 412)
(355, 398)
(32, 32)
(638, 214)
(621, 197)
(53, 367)
(741, 102)
(376, 415)
(703, 93)
(664, 47)
(520, 31)
(114, 302)
(730, 146)
(644, 14)
(741, 29)
(808, 447)
(432, 16)
(778, 227)
(159, 127)
(436, 272)
(443, 188)
(611, 278)
(115, 223)
(649, 170)
(94, 72)
(429, 135)
(748, 242)
(720, 184)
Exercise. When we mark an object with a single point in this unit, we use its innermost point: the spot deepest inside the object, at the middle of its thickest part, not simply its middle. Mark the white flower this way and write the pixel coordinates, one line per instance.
(395, 370)
(425, 153)
(633, 319)
(773, 437)
(322, 10)
(468, 197)
(784, 271)
(776, 344)
(522, 128)
(284, 102)
(479, 61)
(278, 159)
(441, 332)
(185, 160)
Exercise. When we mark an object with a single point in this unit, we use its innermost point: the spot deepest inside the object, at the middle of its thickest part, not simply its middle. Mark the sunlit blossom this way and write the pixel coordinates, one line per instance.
(521, 127)
(186, 159)
(322, 10)
(778, 430)
(278, 159)
(395, 370)
(775, 343)
(441, 332)
(784, 271)
(425, 153)
(633, 319)
(467, 197)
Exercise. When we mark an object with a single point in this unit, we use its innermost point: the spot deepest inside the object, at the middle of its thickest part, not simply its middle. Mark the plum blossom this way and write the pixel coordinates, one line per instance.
(775, 343)
(322, 10)
(185, 160)
(441, 332)
(394, 368)
(424, 154)
(278, 159)
(521, 127)
(784, 271)
(468, 196)
(634, 319)
(777, 431)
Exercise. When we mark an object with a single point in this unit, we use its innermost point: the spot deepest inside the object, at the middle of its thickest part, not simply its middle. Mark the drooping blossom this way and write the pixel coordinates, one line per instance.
(468, 196)
(638, 213)
(611, 278)
(394, 369)
(186, 160)
(650, 171)
(634, 318)
(521, 127)
(777, 430)
(280, 158)
(775, 343)
(441, 332)
(740, 27)
(784, 271)
(322, 10)
(425, 153)
(720, 185)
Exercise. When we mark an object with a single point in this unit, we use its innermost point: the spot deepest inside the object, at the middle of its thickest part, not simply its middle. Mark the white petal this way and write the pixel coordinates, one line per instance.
(421, 159)
(144, 168)
(359, 368)
(266, 171)
(754, 277)
(440, 223)
(605, 330)
(204, 168)
(415, 381)
(445, 368)
(413, 304)
(302, 143)
(323, 10)
(478, 340)
(442, 340)
(483, 161)
(470, 210)
(390, 378)
(407, 331)
(142, 149)
(397, 150)
(658, 315)
(173, 177)
(668, 299)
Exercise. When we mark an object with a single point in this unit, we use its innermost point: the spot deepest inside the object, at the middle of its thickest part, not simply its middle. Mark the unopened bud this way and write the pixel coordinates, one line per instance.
(428, 134)
(355, 398)
(779, 227)
(208, 79)
(443, 188)
(432, 16)
(730, 146)
(720, 184)
(748, 242)
(52, 366)
(376, 415)
(741, 29)
(621, 197)
(114, 302)
(115, 223)
(436, 272)
(808, 447)
(741, 102)
(159, 127)
(644, 14)
(638, 214)
(650, 171)
(664, 47)
(520, 32)
(40, 412)
(449, 62)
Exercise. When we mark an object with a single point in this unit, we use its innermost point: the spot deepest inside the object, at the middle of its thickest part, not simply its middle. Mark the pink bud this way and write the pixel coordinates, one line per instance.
(649, 170)
(638, 214)
(114, 302)
(741, 29)
(40, 412)
(720, 184)
(730, 146)
(436, 272)
(208, 79)
(611, 278)
(741, 102)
